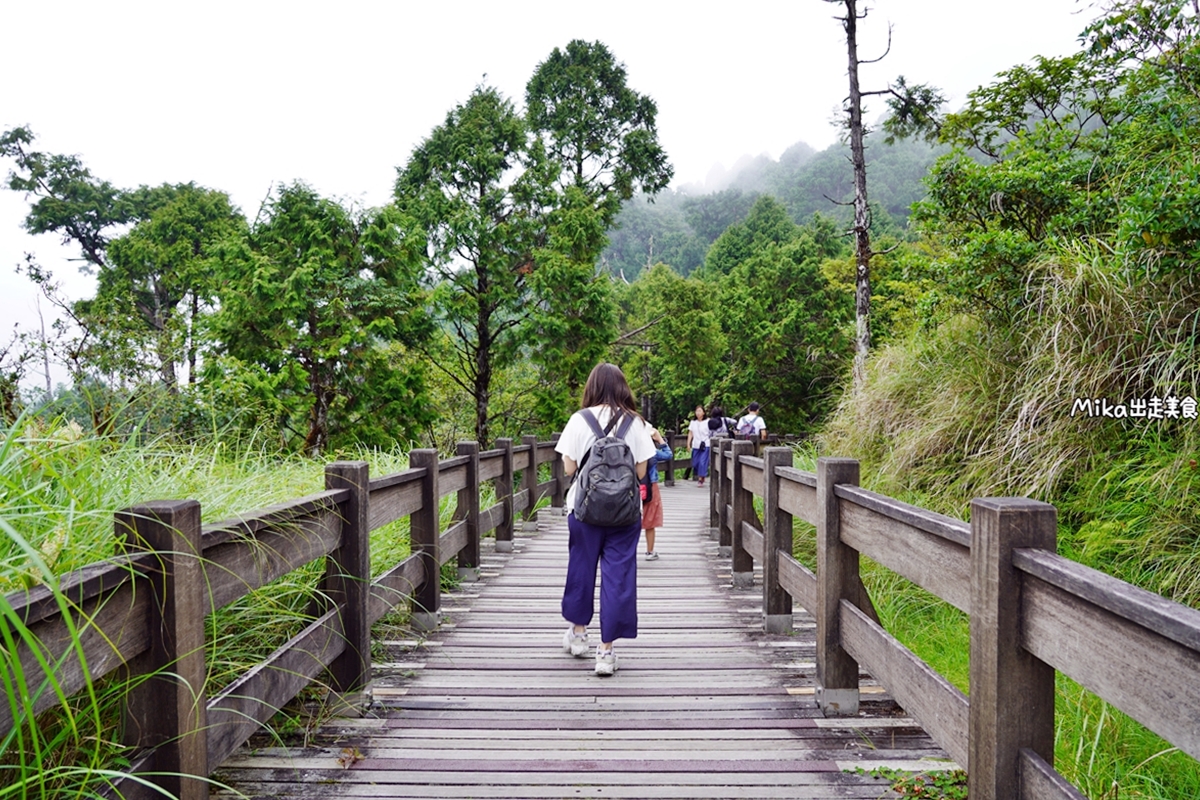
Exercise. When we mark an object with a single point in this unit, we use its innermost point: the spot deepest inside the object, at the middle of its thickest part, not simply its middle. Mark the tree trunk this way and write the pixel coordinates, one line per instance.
(862, 219)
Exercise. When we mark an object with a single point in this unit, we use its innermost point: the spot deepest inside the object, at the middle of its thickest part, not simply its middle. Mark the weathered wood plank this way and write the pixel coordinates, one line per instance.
(753, 541)
(111, 629)
(936, 563)
(452, 476)
(237, 712)
(75, 588)
(796, 497)
(394, 587)
(395, 496)
(520, 501)
(752, 474)
(490, 518)
(522, 453)
(1152, 678)
(1173, 620)
(798, 580)
(277, 517)
(236, 567)
(454, 539)
(940, 706)
(491, 464)
(546, 453)
(922, 519)
(1039, 781)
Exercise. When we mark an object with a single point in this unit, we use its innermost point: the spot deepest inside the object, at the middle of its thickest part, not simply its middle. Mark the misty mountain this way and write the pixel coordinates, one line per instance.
(677, 226)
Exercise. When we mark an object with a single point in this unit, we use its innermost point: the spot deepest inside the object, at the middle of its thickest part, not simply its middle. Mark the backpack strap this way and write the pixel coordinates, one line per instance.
(593, 423)
(626, 422)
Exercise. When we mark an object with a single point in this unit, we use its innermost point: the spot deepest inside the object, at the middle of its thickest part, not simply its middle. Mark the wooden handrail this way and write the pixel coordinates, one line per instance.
(102, 616)
(1031, 612)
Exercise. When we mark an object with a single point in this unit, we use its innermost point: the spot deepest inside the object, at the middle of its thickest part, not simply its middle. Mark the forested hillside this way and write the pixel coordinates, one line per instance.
(1035, 313)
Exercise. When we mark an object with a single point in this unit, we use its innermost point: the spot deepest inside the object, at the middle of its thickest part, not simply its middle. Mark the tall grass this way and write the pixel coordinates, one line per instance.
(970, 410)
(59, 489)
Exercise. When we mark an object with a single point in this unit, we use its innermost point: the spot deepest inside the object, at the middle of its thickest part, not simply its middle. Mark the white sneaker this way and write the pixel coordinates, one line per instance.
(606, 662)
(575, 643)
(652, 556)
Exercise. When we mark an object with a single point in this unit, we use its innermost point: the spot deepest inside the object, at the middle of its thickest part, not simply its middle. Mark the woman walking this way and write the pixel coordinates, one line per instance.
(609, 401)
(699, 434)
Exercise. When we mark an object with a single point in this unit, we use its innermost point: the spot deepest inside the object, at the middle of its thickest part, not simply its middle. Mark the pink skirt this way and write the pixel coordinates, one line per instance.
(652, 512)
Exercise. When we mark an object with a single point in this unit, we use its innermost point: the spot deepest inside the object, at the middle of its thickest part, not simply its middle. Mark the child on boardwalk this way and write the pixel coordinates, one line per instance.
(652, 508)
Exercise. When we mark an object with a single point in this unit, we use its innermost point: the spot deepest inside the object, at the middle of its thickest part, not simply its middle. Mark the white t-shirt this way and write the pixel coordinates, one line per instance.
(577, 439)
(701, 434)
(757, 421)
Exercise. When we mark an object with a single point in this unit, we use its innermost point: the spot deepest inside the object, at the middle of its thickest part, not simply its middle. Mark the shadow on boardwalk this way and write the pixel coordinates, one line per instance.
(704, 704)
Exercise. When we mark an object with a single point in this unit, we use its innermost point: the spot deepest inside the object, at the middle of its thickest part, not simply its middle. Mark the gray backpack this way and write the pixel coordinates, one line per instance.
(608, 494)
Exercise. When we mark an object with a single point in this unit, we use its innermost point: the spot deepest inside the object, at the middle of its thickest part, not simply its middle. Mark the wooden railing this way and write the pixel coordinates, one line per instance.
(144, 612)
(1032, 612)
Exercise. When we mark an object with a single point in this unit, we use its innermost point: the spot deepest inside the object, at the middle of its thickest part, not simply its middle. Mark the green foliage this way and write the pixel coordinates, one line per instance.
(944, 785)
(1099, 144)
(476, 189)
(600, 132)
(673, 347)
(309, 302)
(767, 224)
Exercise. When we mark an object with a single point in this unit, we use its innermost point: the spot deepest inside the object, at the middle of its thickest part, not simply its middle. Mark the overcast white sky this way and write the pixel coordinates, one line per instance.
(240, 95)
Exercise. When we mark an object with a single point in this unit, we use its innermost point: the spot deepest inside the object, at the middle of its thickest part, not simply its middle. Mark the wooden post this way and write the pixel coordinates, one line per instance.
(724, 500)
(1012, 693)
(837, 580)
(777, 536)
(669, 480)
(168, 710)
(504, 495)
(529, 480)
(559, 494)
(743, 511)
(425, 537)
(348, 574)
(714, 488)
(468, 509)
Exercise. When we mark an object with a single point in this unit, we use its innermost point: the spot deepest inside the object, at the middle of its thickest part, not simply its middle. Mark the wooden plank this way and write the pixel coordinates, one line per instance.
(1039, 781)
(272, 518)
(74, 588)
(394, 587)
(1152, 678)
(798, 580)
(454, 539)
(491, 464)
(490, 518)
(545, 489)
(798, 499)
(936, 563)
(546, 453)
(926, 695)
(112, 629)
(752, 541)
(522, 453)
(1173, 620)
(394, 497)
(752, 474)
(949, 528)
(235, 568)
(452, 478)
(238, 712)
(520, 501)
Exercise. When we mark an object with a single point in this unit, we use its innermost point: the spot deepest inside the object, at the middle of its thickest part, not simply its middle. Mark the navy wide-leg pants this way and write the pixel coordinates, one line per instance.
(615, 550)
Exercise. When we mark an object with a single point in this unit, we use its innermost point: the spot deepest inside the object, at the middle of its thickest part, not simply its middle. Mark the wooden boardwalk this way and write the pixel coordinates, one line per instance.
(704, 705)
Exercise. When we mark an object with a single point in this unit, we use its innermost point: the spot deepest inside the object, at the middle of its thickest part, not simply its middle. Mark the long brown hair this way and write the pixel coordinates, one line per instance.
(606, 386)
